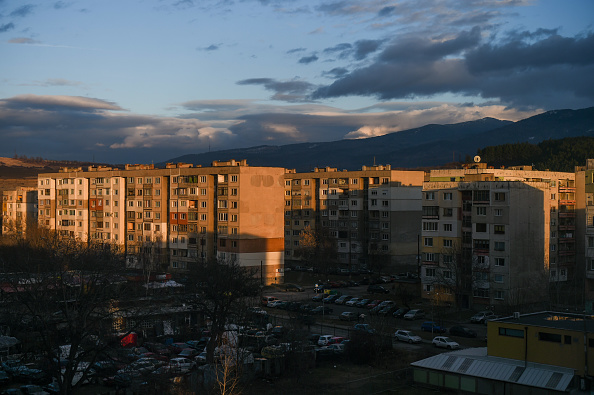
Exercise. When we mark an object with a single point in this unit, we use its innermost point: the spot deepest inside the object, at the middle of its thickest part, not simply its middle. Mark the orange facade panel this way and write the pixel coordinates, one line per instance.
(261, 245)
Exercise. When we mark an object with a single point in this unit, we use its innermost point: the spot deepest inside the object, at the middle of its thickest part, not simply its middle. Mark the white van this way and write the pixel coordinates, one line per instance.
(267, 299)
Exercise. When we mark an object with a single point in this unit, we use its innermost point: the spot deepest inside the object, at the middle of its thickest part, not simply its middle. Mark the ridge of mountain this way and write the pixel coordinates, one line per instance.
(429, 145)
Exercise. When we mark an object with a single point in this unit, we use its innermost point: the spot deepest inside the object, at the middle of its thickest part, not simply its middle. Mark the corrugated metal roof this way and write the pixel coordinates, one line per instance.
(476, 363)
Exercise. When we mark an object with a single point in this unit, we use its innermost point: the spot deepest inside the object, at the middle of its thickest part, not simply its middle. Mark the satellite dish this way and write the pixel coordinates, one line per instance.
(477, 159)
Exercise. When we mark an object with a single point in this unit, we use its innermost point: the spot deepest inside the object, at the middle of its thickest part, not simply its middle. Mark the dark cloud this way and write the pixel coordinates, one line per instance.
(519, 54)
(386, 11)
(339, 8)
(295, 50)
(291, 91)
(212, 47)
(59, 5)
(6, 27)
(23, 11)
(308, 59)
(335, 72)
(527, 69)
(366, 47)
(422, 49)
(338, 48)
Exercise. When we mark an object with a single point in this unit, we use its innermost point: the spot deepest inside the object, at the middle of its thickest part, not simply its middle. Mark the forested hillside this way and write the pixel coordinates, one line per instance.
(554, 155)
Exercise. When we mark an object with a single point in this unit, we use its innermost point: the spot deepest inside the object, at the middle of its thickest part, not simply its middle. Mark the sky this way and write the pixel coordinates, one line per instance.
(145, 81)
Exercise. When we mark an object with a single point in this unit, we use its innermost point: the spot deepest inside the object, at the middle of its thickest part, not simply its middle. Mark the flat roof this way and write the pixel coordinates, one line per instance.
(476, 363)
(553, 319)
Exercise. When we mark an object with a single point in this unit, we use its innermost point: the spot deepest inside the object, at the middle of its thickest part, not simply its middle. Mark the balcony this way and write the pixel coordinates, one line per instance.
(567, 202)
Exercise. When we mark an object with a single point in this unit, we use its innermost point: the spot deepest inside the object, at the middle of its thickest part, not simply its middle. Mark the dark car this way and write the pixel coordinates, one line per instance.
(293, 288)
(375, 288)
(400, 312)
(430, 326)
(322, 310)
(462, 331)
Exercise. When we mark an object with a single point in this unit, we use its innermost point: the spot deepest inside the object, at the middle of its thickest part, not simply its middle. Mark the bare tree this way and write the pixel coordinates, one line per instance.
(61, 292)
(317, 248)
(224, 289)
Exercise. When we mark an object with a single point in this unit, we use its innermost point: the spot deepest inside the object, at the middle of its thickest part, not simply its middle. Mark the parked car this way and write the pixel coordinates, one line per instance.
(348, 316)
(372, 304)
(201, 358)
(462, 331)
(330, 298)
(433, 327)
(276, 303)
(352, 302)
(293, 288)
(406, 336)
(387, 310)
(181, 365)
(481, 316)
(188, 353)
(377, 289)
(268, 299)
(363, 302)
(318, 297)
(414, 314)
(342, 299)
(400, 312)
(324, 339)
(445, 342)
(322, 310)
(336, 340)
(337, 348)
(364, 328)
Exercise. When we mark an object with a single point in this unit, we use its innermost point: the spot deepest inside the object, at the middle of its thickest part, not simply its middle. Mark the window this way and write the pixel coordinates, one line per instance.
(430, 211)
(499, 246)
(499, 229)
(234, 178)
(448, 260)
(499, 261)
(428, 242)
(480, 196)
(429, 272)
(481, 244)
(481, 211)
(448, 212)
(447, 227)
(447, 274)
(429, 195)
(499, 196)
(498, 278)
(499, 295)
(305, 182)
(480, 227)
(447, 243)
(553, 247)
(511, 332)
(430, 226)
(447, 196)
(430, 257)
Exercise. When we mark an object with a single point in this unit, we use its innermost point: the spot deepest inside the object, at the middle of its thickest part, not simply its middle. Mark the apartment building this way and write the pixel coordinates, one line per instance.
(584, 179)
(370, 216)
(18, 208)
(499, 237)
(172, 218)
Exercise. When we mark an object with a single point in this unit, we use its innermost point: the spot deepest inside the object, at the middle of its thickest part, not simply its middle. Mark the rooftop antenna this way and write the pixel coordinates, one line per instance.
(374, 160)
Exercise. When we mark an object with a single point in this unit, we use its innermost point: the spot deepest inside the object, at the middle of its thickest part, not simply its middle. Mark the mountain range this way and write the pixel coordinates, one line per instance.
(428, 146)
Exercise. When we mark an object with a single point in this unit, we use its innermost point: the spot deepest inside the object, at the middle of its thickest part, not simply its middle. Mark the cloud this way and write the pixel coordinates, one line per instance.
(537, 69)
(335, 72)
(22, 40)
(6, 27)
(295, 50)
(308, 59)
(57, 82)
(366, 47)
(211, 47)
(23, 10)
(291, 91)
(60, 5)
(79, 128)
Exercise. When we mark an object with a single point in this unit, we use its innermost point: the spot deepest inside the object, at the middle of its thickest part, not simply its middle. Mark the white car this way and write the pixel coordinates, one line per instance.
(181, 365)
(407, 336)
(324, 339)
(337, 348)
(353, 302)
(275, 303)
(445, 342)
(482, 316)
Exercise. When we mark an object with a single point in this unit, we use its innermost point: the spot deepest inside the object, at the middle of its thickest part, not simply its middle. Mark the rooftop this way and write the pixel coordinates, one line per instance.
(552, 319)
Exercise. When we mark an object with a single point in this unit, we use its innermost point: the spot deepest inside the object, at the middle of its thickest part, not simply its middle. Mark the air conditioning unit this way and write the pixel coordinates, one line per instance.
(516, 315)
